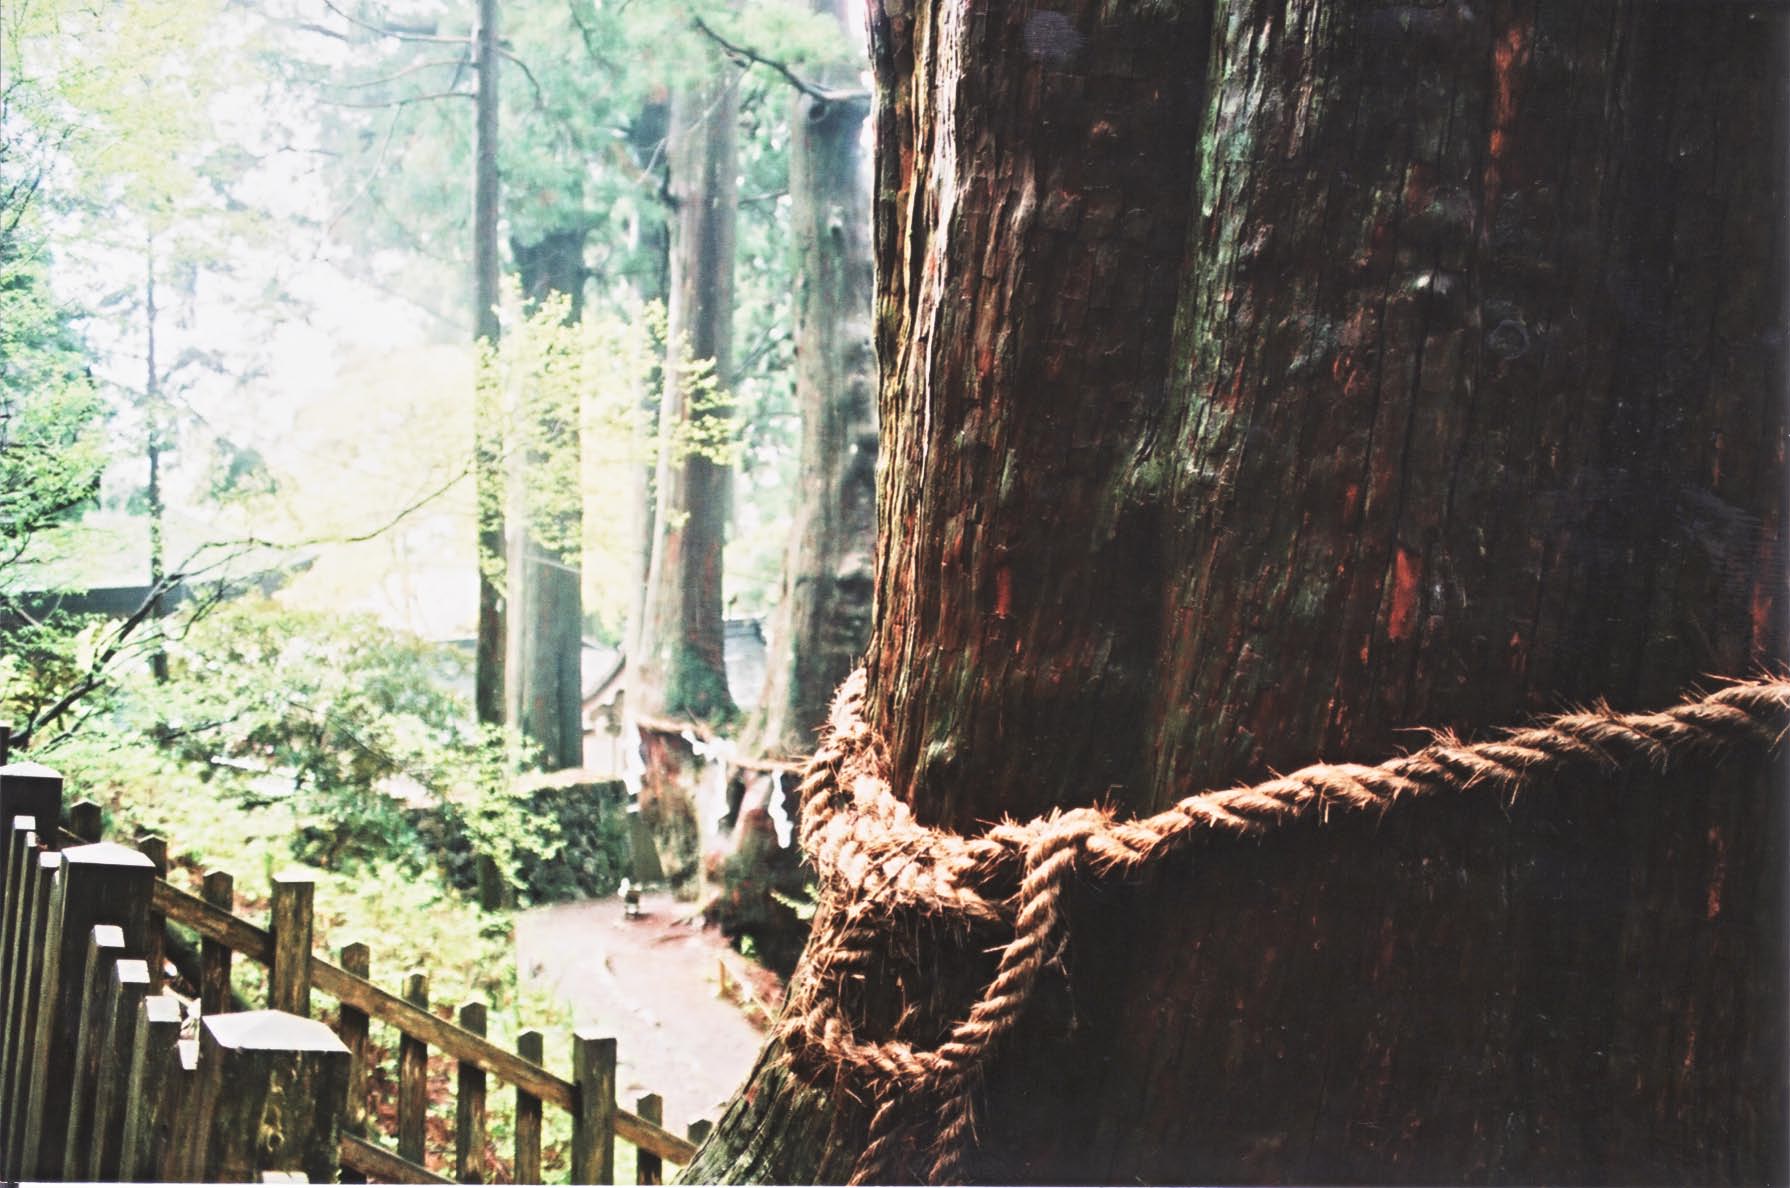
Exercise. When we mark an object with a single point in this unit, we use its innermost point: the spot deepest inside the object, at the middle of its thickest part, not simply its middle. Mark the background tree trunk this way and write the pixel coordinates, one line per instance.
(488, 448)
(680, 669)
(1464, 401)
(822, 620)
(547, 630)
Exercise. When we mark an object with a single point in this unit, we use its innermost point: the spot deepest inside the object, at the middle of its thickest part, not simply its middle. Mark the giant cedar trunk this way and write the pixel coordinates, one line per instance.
(547, 620)
(823, 612)
(1256, 389)
(680, 667)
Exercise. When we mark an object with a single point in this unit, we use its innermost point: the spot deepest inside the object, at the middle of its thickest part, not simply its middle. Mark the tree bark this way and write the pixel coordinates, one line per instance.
(822, 621)
(488, 446)
(680, 669)
(547, 628)
(1262, 382)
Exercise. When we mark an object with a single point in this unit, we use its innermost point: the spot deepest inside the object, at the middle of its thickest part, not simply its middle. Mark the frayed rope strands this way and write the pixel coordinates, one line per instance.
(875, 861)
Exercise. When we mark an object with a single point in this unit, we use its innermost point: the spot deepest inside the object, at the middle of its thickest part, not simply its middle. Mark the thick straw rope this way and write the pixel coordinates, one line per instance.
(875, 861)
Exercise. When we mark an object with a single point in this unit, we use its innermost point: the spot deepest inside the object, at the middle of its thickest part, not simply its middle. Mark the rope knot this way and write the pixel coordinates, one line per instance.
(876, 862)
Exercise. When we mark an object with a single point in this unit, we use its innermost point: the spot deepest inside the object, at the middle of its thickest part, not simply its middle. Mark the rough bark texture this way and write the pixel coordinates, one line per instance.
(823, 611)
(1501, 302)
(547, 627)
(488, 674)
(1470, 408)
(1034, 171)
(680, 667)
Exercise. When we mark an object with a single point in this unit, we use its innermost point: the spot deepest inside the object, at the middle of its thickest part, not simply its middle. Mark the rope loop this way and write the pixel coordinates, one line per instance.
(878, 866)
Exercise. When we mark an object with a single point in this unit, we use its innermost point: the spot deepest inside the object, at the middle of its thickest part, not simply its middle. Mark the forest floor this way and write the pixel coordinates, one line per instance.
(683, 1029)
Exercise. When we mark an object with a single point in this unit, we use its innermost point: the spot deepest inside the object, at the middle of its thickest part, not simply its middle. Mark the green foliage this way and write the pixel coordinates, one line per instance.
(346, 727)
(51, 451)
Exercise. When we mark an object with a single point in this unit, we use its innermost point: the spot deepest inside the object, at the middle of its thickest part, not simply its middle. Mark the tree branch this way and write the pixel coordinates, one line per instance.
(395, 32)
(404, 102)
(746, 56)
(408, 70)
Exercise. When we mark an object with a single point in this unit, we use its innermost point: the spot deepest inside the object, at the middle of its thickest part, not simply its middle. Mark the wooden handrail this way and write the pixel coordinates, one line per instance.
(380, 1166)
(256, 944)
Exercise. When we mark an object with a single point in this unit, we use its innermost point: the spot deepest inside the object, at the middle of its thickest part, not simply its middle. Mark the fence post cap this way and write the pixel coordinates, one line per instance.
(25, 769)
(106, 854)
(265, 1030)
(161, 1008)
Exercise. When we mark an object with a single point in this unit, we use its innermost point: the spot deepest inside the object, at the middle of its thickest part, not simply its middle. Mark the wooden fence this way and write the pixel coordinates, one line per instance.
(100, 1078)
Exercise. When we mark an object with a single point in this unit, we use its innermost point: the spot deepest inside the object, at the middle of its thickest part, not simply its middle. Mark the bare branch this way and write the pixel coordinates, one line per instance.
(404, 102)
(396, 32)
(746, 56)
(431, 64)
(540, 95)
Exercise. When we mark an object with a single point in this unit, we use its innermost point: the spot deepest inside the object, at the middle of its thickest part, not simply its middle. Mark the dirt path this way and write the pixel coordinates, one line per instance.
(653, 983)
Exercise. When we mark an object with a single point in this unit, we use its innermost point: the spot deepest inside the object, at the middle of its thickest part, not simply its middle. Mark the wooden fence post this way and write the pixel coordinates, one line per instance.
(593, 1122)
(270, 1094)
(118, 1026)
(101, 883)
(156, 956)
(351, 1026)
(178, 1148)
(413, 1076)
(648, 1167)
(154, 1054)
(531, 1046)
(20, 841)
(698, 1130)
(38, 940)
(35, 791)
(469, 1106)
(219, 890)
(289, 973)
(15, 954)
(105, 945)
(87, 821)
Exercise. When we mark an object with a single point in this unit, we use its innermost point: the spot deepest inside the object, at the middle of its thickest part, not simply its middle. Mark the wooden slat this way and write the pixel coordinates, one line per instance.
(14, 877)
(531, 1046)
(154, 1053)
(39, 940)
(23, 1163)
(256, 944)
(118, 1029)
(380, 1166)
(413, 1075)
(105, 945)
(15, 956)
(593, 1121)
(289, 973)
(469, 1105)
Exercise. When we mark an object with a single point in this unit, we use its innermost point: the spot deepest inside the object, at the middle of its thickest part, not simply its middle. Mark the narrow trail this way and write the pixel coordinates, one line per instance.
(653, 983)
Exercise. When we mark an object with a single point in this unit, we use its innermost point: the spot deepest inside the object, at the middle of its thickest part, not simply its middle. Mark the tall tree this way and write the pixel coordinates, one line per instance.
(681, 666)
(1261, 381)
(488, 446)
(822, 620)
(546, 628)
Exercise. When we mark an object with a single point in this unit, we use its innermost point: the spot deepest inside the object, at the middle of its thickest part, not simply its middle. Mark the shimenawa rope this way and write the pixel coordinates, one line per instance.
(875, 861)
